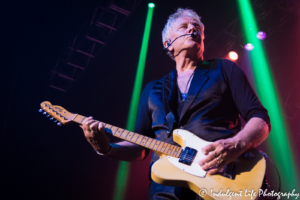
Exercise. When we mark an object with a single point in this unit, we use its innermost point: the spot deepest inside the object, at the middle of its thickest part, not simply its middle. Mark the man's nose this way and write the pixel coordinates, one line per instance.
(191, 28)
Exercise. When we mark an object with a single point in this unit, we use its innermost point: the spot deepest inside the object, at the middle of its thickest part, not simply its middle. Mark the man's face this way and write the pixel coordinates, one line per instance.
(187, 25)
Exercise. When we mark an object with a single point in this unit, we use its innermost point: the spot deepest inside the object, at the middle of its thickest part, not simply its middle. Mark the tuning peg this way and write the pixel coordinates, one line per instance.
(44, 113)
(48, 116)
(58, 124)
(51, 118)
(40, 110)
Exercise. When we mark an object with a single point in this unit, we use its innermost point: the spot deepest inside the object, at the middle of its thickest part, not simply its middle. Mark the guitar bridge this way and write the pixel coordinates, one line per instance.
(229, 170)
(188, 155)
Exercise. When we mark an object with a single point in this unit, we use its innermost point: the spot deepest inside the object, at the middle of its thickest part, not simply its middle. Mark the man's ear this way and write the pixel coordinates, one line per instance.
(167, 45)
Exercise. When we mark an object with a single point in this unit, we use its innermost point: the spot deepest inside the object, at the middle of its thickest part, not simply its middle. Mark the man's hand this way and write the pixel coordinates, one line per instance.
(221, 153)
(95, 134)
(225, 151)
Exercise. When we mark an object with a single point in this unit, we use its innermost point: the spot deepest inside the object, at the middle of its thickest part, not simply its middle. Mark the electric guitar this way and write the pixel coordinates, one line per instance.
(178, 166)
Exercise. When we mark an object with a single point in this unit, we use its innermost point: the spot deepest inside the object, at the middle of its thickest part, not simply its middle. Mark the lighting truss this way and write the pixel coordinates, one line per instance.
(90, 41)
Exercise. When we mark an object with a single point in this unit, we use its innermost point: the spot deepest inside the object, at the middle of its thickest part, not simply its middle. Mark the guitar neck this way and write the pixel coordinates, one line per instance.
(147, 142)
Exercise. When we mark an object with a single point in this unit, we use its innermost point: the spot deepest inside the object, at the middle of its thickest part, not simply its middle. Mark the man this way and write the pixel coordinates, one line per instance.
(206, 98)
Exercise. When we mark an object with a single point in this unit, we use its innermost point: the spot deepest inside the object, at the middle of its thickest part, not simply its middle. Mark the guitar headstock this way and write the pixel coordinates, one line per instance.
(57, 112)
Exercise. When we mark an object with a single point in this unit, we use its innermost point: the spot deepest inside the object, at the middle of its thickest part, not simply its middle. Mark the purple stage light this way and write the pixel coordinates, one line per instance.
(249, 47)
(261, 35)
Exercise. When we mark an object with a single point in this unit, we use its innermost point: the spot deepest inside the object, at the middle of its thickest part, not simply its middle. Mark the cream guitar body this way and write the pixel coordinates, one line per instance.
(178, 165)
(245, 183)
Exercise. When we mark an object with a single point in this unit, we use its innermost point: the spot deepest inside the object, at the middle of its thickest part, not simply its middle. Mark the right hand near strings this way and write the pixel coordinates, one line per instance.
(96, 135)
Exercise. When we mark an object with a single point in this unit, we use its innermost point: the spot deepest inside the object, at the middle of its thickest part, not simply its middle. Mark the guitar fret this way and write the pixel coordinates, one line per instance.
(144, 142)
(114, 130)
(156, 144)
(178, 153)
(129, 134)
(167, 148)
(120, 131)
(107, 126)
(151, 146)
(134, 137)
(78, 118)
(82, 120)
(163, 148)
(140, 138)
(148, 142)
(160, 146)
(74, 117)
(172, 151)
(124, 134)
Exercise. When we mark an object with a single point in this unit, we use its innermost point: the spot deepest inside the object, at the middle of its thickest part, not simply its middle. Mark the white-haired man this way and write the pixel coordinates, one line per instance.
(206, 98)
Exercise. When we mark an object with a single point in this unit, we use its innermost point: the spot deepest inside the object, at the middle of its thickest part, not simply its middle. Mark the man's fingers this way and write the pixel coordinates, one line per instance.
(215, 170)
(208, 158)
(93, 126)
(86, 123)
(210, 164)
(101, 126)
(208, 148)
(86, 119)
(212, 171)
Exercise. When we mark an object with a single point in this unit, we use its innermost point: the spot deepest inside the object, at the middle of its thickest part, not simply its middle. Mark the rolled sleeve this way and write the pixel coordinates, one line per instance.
(243, 95)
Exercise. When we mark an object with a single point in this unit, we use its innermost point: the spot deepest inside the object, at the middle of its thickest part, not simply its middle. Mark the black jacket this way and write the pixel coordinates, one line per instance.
(219, 94)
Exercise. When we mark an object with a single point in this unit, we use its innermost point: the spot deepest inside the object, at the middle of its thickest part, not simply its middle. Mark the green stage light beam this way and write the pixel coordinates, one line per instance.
(278, 141)
(123, 170)
(140, 72)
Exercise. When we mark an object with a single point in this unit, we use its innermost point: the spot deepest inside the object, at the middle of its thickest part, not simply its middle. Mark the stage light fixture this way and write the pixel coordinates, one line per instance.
(261, 35)
(233, 55)
(151, 5)
(249, 47)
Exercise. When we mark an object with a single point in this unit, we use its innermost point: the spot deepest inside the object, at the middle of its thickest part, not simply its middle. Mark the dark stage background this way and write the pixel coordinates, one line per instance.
(39, 160)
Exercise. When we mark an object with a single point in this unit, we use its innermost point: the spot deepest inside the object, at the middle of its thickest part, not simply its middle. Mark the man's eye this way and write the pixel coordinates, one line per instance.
(182, 27)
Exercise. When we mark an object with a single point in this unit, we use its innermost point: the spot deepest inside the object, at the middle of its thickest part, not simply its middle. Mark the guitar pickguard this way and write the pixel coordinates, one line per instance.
(193, 142)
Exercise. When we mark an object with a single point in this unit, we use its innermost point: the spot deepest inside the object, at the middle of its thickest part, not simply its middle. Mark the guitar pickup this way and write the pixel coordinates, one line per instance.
(188, 155)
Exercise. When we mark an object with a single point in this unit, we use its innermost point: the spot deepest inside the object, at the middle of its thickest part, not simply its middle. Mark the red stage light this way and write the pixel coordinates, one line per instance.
(233, 55)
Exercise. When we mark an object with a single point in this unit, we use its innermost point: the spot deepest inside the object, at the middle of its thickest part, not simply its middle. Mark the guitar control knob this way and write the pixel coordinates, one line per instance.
(58, 124)
(40, 110)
